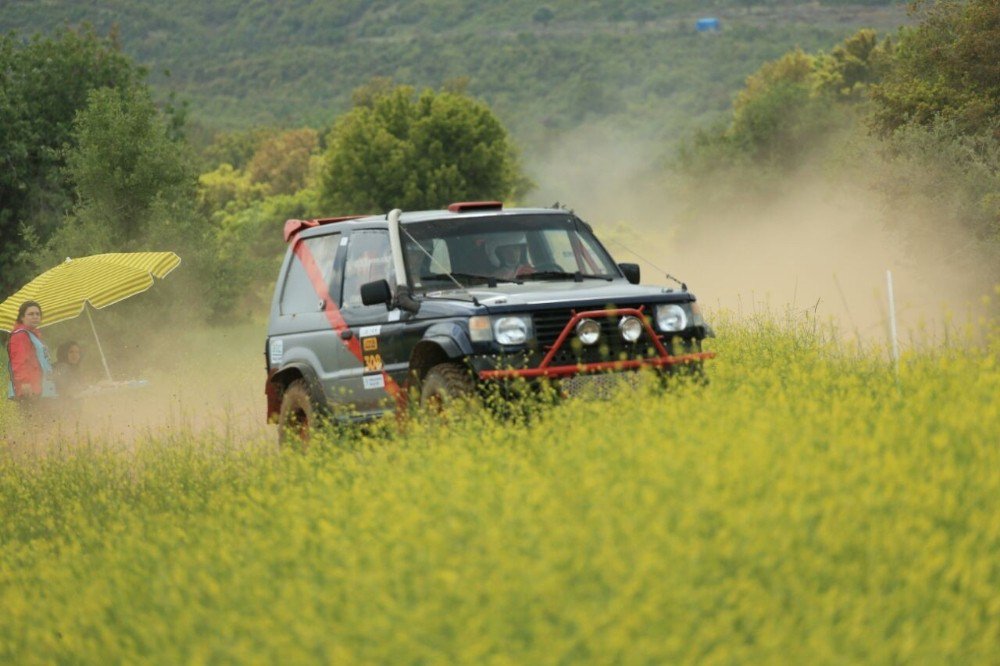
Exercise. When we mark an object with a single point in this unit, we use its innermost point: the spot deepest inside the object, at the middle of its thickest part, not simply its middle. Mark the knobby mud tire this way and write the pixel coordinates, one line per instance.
(447, 385)
(297, 416)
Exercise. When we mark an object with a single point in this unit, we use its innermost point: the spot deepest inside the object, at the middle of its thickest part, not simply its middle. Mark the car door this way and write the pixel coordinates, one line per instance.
(369, 385)
(309, 327)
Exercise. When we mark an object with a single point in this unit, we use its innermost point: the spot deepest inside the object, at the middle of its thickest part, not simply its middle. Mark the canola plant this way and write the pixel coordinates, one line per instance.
(808, 505)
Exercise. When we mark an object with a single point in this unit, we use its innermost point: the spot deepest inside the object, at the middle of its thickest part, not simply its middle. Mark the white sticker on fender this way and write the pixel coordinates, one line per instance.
(394, 314)
(369, 331)
(277, 350)
(374, 382)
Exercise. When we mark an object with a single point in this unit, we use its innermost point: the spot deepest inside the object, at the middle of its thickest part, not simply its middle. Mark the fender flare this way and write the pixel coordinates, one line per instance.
(441, 343)
(451, 337)
(289, 373)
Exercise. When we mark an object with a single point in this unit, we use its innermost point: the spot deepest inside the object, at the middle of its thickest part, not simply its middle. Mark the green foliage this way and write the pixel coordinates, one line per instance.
(947, 69)
(249, 250)
(235, 148)
(543, 15)
(134, 183)
(44, 83)
(234, 61)
(945, 187)
(396, 149)
(938, 110)
(281, 163)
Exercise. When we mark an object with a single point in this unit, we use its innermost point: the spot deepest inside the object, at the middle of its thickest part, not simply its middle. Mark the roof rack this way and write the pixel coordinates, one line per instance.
(293, 227)
(470, 206)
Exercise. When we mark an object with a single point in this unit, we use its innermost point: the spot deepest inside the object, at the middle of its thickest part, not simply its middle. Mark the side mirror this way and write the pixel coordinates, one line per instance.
(631, 272)
(376, 292)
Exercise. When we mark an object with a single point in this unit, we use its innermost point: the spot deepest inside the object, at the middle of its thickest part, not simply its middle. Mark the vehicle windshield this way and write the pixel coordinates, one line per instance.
(489, 250)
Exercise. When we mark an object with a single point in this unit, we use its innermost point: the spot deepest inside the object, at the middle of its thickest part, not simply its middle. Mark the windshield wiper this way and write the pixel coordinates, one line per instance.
(470, 277)
(564, 275)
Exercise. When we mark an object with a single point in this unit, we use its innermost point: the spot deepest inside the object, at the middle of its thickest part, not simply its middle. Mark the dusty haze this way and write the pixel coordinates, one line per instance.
(824, 245)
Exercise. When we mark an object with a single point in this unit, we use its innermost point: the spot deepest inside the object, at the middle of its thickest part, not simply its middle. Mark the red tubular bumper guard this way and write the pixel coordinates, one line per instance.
(545, 370)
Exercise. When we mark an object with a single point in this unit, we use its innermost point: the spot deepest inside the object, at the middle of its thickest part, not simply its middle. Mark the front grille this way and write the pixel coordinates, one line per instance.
(610, 347)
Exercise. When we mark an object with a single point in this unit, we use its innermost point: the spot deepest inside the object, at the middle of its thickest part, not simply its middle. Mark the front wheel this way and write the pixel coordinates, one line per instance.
(446, 385)
(296, 418)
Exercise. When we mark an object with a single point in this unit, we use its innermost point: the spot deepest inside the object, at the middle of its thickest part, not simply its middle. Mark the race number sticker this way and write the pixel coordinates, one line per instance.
(373, 362)
(374, 382)
(277, 350)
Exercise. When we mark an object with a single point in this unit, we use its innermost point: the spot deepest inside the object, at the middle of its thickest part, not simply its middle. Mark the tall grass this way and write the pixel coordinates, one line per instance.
(806, 506)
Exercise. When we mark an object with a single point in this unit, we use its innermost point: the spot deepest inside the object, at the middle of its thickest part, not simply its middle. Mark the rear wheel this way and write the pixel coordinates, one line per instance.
(296, 418)
(447, 385)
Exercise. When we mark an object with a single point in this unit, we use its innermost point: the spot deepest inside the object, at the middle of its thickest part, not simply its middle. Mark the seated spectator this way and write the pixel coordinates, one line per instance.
(66, 371)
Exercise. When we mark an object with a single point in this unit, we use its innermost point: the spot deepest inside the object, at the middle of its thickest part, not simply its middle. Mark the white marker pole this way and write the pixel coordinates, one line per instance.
(892, 323)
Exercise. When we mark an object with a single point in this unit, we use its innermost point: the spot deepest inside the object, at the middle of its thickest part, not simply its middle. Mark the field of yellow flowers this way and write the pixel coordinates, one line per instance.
(808, 506)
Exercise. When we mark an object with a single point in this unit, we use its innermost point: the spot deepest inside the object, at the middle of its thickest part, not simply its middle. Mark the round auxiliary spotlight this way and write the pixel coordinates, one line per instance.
(631, 328)
(588, 331)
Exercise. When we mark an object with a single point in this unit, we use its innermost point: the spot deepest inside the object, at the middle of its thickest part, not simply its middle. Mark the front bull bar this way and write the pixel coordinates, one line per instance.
(544, 369)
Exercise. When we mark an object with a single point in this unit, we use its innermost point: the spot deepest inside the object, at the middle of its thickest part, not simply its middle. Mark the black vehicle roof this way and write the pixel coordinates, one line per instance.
(322, 226)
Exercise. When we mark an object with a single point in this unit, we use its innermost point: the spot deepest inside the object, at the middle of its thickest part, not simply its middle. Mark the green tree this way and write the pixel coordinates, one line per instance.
(938, 110)
(543, 15)
(945, 69)
(397, 149)
(281, 163)
(44, 82)
(134, 185)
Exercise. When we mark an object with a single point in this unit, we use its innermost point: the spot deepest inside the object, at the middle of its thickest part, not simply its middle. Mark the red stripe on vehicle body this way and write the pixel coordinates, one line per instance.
(333, 314)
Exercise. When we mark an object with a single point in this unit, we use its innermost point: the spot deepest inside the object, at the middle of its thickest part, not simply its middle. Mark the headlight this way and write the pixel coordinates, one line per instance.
(512, 330)
(671, 318)
(480, 329)
(588, 331)
(631, 328)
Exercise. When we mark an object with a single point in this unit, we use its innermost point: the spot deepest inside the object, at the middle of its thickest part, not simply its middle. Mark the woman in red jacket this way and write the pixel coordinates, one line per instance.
(30, 368)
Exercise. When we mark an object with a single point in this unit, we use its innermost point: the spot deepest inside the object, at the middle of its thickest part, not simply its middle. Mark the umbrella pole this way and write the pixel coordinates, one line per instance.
(98, 340)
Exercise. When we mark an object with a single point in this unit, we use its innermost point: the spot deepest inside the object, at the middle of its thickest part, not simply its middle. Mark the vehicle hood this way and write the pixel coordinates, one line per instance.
(571, 294)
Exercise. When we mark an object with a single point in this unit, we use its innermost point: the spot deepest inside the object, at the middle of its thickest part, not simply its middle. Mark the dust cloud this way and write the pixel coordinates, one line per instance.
(185, 383)
(821, 248)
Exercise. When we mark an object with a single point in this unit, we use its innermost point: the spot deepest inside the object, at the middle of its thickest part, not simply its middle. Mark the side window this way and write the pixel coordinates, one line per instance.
(311, 271)
(369, 258)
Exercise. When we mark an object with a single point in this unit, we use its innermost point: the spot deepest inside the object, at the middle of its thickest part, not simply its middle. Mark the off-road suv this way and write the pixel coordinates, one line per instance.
(370, 311)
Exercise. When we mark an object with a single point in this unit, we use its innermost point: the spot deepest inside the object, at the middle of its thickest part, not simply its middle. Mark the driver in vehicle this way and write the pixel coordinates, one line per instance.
(509, 257)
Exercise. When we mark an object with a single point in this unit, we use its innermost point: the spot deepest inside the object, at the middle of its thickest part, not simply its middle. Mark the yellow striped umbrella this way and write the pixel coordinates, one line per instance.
(100, 279)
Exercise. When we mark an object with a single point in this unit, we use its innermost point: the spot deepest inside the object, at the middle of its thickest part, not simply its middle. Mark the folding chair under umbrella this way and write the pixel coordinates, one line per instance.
(100, 280)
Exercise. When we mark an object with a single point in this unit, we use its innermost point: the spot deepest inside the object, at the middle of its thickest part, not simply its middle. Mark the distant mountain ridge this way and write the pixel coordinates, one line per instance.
(637, 65)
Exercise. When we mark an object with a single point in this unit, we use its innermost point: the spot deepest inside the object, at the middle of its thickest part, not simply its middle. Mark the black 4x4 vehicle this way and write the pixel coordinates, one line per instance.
(370, 310)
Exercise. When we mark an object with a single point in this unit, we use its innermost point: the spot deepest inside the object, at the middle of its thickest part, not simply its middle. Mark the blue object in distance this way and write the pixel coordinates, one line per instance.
(708, 25)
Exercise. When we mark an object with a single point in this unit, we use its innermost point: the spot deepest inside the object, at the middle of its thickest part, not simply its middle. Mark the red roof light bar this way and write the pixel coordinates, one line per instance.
(471, 206)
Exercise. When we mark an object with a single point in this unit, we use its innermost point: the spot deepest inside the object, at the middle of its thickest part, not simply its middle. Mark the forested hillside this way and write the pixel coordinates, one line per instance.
(542, 69)
(807, 130)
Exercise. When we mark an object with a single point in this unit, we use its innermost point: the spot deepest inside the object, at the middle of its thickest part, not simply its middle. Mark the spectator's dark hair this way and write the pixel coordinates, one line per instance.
(24, 308)
(62, 353)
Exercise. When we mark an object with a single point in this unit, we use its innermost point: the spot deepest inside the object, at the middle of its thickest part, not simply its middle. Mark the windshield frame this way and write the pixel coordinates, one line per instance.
(435, 246)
